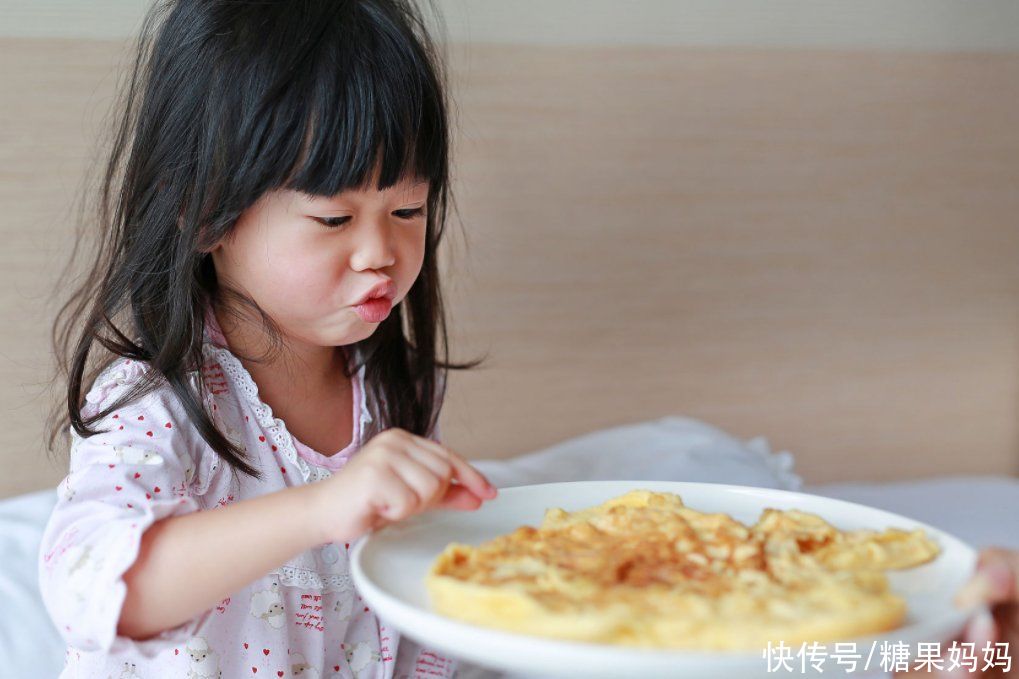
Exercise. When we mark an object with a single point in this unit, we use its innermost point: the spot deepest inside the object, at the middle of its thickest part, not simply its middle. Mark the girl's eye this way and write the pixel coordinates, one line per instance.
(333, 222)
(408, 214)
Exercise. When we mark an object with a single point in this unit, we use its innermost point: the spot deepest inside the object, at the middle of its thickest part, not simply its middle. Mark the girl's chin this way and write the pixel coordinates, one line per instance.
(341, 332)
(356, 330)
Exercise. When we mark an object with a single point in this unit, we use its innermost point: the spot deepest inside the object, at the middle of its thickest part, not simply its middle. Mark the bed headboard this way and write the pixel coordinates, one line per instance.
(819, 247)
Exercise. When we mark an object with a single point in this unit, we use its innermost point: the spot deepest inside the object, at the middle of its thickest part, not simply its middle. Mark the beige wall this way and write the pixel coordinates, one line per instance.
(817, 246)
(888, 24)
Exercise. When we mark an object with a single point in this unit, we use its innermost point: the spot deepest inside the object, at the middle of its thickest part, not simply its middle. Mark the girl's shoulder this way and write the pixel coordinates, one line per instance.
(122, 376)
(152, 427)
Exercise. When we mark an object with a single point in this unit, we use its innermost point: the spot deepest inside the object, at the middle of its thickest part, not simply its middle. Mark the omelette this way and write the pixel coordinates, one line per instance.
(643, 569)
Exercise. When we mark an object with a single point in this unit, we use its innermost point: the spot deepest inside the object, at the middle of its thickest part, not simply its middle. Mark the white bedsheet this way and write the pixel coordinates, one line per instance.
(980, 510)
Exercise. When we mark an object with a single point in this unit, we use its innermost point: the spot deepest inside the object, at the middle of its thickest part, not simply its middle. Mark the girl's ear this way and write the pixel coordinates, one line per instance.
(201, 234)
(210, 250)
(201, 239)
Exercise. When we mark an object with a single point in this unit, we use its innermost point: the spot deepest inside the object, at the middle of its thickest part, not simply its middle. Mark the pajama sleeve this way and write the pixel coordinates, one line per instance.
(141, 468)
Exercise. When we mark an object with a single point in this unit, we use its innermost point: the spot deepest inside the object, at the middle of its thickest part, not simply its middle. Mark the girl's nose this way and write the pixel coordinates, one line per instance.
(373, 248)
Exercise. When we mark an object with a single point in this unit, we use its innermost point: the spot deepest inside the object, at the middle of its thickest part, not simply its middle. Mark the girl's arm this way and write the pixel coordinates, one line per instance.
(187, 564)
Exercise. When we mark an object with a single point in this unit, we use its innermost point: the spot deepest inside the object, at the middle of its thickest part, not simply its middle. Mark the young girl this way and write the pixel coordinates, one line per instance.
(268, 304)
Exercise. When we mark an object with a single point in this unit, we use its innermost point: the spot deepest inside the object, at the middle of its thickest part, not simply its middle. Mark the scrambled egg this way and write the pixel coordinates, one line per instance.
(642, 569)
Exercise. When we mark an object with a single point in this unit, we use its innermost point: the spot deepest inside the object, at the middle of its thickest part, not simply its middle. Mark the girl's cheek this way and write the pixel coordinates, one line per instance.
(310, 284)
(303, 257)
(411, 255)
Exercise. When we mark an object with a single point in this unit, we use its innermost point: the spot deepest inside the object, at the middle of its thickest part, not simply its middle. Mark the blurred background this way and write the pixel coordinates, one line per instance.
(794, 219)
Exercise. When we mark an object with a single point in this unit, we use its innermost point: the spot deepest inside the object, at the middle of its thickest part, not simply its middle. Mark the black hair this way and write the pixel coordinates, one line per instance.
(227, 100)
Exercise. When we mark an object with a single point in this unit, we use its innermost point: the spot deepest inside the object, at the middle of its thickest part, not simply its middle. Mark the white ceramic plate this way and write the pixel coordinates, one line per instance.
(389, 566)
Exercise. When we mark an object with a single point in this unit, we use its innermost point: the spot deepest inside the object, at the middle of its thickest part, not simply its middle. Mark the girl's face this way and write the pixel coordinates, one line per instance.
(308, 260)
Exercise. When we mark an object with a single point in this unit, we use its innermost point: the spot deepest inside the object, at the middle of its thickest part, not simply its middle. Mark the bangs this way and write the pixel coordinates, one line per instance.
(370, 102)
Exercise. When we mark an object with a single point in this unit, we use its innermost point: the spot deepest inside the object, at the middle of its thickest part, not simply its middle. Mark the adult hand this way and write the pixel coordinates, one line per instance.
(994, 585)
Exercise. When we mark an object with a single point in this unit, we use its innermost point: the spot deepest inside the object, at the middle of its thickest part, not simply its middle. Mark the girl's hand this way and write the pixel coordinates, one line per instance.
(996, 584)
(396, 475)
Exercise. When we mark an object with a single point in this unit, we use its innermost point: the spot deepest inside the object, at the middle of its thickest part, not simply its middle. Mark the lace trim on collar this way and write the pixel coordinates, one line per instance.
(272, 425)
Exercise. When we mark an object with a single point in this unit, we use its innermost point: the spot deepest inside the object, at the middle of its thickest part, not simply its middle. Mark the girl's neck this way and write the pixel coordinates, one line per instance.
(305, 385)
(306, 369)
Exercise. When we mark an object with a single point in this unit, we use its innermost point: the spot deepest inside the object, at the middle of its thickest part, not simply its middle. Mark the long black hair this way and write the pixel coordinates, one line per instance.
(227, 100)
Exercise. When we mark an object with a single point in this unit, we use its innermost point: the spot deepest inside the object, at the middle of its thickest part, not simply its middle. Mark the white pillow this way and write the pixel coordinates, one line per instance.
(668, 449)
(29, 643)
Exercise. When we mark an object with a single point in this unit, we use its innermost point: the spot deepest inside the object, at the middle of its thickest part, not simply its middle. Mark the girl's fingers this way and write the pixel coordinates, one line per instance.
(426, 474)
(422, 478)
(458, 497)
(467, 475)
(438, 468)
